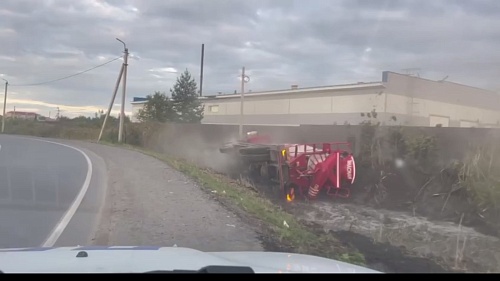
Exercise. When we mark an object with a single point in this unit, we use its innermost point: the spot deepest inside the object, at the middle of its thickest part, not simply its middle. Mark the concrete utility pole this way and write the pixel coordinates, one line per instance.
(124, 90)
(123, 74)
(4, 104)
(111, 103)
(244, 79)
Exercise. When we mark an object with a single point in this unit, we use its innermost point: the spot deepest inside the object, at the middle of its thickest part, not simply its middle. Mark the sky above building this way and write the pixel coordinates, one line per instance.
(280, 42)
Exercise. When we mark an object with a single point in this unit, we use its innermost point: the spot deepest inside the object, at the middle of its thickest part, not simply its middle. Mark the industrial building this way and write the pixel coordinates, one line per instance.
(397, 99)
(137, 103)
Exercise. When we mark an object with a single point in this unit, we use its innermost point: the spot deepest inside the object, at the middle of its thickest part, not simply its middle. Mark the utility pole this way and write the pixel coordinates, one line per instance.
(201, 70)
(123, 74)
(244, 79)
(124, 90)
(4, 104)
(111, 102)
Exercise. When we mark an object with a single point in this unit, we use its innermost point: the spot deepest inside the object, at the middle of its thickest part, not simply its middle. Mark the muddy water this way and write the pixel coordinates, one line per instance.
(401, 242)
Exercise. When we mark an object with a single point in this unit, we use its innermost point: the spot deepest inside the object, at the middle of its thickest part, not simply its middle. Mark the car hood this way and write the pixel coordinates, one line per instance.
(144, 259)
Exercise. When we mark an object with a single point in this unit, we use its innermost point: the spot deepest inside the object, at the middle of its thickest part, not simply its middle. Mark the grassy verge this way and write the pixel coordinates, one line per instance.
(283, 228)
(478, 174)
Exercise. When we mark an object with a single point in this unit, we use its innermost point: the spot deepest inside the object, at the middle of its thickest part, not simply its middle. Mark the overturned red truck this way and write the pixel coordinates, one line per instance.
(302, 170)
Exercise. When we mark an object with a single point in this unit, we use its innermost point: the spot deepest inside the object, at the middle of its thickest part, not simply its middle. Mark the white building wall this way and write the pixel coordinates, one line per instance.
(419, 99)
(135, 109)
(457, 114)
(396, 104)
(424, 112)
(310, 105)
(443, 121)
(358, 103)
(292, 105)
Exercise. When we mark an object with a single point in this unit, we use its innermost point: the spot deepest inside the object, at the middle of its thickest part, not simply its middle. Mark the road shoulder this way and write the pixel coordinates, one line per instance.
(149, 203)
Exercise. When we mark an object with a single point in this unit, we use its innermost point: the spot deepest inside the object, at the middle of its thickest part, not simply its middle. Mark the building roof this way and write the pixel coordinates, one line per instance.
(139, 100)
(360, 85)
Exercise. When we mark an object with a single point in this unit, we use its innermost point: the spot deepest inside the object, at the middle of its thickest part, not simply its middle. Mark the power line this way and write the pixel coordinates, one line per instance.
(66, 77)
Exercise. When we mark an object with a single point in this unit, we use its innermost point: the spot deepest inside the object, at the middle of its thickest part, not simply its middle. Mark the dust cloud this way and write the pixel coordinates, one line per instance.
(194, 146)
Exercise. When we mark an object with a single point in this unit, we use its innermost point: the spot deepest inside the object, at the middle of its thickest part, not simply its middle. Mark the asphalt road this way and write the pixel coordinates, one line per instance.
(50, 193)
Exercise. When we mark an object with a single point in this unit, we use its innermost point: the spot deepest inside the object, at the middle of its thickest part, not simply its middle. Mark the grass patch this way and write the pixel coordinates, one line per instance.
(292, 235)
(478, 174)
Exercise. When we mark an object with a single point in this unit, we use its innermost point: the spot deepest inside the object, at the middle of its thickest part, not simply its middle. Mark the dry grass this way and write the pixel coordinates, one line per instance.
(478, 173)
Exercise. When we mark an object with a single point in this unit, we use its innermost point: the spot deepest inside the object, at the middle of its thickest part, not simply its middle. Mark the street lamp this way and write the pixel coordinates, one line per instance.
(124, 45)
(244, 79)
(4, 104)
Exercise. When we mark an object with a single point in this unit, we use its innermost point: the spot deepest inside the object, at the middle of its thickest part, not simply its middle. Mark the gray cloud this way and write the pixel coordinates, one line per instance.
(280, 42)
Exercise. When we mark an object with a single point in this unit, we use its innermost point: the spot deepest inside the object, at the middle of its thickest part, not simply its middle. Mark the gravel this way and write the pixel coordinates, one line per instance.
(150, 203)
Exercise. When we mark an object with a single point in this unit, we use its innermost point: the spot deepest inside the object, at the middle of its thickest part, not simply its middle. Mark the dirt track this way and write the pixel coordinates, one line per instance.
(149, 203)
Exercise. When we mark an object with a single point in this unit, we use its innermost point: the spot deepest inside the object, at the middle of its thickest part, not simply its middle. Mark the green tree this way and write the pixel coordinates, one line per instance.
(188, 108)
(157, 108)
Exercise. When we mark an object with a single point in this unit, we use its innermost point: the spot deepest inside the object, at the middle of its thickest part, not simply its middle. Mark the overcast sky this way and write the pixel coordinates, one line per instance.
(280, 42)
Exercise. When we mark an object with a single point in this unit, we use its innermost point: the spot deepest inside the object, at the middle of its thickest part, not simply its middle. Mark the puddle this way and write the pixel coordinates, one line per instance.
(387, 258)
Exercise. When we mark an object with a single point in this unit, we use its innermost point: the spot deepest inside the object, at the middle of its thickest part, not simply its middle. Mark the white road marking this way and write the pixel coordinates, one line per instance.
(64, 221)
